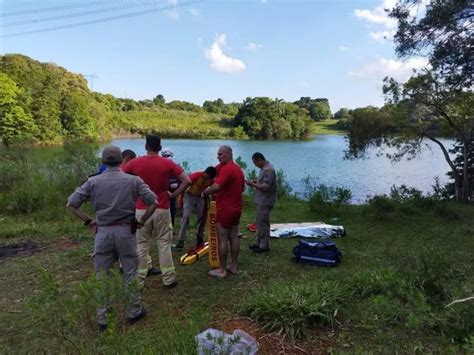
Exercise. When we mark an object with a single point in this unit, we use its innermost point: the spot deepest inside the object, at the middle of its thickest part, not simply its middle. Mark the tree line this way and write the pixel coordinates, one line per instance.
(46, 104)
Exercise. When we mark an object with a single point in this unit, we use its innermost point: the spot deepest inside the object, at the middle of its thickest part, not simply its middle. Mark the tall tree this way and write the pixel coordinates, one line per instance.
(436, 101)
(16, 126)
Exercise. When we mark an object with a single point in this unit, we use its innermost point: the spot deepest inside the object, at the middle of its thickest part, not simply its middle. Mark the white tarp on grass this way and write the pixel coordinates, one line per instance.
(306, 230)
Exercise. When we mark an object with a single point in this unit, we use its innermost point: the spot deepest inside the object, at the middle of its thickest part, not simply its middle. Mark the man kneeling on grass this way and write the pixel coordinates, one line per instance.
(113, 194)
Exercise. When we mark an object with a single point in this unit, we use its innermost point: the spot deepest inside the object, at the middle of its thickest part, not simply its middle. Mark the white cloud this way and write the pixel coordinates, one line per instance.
(253, 46)
(343, 48)
(194, 12)
(400, 70)
(174, 12)
(219, 61)
(378, 15)
(382, 36)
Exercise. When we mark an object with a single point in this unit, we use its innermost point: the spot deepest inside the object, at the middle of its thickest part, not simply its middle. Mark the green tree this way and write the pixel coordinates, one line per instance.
(318, 109)
(159, 100)
(264, 118)
(76, 119)
(434, 102)
(16, 125)
(342, 113)
(184, 106)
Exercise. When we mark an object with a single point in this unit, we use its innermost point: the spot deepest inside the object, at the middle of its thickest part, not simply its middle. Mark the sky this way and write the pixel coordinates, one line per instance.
(197, 50)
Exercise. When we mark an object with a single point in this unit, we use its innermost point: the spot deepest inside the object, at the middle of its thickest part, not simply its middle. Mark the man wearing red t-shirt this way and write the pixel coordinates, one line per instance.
(156, 172)
(228, 187)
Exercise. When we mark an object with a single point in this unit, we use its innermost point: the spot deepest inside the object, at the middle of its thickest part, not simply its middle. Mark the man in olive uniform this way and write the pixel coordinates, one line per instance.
(265, 197)
(113, 194)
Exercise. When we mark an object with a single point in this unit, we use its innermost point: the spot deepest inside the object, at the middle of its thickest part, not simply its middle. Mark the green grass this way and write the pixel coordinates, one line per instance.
(327, 127)
(390, 291)
(183, 124)
(180, 124)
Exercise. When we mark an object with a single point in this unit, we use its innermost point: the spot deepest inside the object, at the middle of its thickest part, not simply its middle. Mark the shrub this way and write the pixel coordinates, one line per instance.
(283, 186)
(380, 207)
(404, 194)
(324, 199)
(292, 310)
(44, 182)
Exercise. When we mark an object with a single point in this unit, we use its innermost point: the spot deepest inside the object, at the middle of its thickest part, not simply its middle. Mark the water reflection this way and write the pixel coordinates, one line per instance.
(322, 158)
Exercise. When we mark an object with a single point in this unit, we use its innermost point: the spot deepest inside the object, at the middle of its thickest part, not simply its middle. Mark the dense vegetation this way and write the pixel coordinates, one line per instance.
(406, 258)
(264, 118)
(43, 103)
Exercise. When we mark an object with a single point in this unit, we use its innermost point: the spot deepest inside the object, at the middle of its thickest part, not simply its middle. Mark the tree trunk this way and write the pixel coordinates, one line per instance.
(457, 177)
(465, 172)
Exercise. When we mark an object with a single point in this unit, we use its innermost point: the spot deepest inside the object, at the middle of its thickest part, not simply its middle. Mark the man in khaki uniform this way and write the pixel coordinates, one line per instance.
(113, 194)
(265, 197)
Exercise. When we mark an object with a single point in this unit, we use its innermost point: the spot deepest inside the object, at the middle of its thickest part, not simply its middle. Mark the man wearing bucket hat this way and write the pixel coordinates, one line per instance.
(113, 194)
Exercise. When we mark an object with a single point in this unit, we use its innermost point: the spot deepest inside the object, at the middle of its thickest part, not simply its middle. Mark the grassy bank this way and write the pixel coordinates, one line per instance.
(403, 265)
(389, 294)
(170, 123)
(327, 127)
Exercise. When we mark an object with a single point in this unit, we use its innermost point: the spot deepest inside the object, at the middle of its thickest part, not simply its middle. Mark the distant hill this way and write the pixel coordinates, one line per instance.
(42, 103)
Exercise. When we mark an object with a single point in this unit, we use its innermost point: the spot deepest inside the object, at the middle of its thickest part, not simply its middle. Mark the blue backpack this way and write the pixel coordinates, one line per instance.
(324, 253)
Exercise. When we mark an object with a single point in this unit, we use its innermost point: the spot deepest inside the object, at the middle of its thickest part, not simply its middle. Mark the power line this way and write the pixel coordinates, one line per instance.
(58, 8)
(78, 14)
(105, 19)
(92, 77)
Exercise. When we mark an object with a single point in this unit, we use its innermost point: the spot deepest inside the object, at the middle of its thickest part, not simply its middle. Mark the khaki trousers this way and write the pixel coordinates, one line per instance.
(111, 242)
(159, 228)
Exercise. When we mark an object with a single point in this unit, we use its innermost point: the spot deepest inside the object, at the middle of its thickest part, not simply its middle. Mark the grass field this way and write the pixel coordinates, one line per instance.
(327, 127)
(170, 123)
(400, 269)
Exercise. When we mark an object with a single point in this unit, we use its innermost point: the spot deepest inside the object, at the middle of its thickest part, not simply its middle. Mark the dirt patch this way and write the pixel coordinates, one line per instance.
(66, 243)
(22, 249)
(273, 343)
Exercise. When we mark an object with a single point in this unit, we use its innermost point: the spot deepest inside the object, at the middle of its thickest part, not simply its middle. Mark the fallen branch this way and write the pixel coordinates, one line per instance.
(460, 301)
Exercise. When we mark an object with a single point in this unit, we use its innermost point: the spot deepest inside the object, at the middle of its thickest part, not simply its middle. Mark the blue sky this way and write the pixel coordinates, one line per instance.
(202, 50)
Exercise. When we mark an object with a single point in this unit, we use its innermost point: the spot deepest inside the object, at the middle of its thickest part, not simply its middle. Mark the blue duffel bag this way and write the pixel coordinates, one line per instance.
(324, 253)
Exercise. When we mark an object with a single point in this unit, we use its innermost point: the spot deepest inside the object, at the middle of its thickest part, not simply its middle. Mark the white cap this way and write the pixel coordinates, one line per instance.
(167, 153)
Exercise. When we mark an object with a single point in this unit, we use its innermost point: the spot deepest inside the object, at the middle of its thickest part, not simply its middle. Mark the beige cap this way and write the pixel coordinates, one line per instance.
(111, 155)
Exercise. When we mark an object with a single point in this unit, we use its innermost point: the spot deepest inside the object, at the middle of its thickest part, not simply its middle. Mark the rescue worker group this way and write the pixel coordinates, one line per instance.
(134, 203)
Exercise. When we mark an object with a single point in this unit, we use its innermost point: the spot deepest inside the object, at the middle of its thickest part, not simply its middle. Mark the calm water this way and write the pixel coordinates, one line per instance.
(321, 158)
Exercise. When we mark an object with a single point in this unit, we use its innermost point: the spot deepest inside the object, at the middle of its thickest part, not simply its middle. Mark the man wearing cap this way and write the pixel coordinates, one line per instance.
(173, 184)
(156, 172)
(127, 155)
(113, 194)
(228, 186)
(265, 197)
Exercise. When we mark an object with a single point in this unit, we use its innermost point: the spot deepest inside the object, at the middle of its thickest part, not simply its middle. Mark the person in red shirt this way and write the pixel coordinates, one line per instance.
(200, 180)
(228, 187)
(156, 172)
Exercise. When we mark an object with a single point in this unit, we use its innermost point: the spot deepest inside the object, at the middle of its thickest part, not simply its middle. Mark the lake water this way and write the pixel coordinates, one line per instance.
(322, 158)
